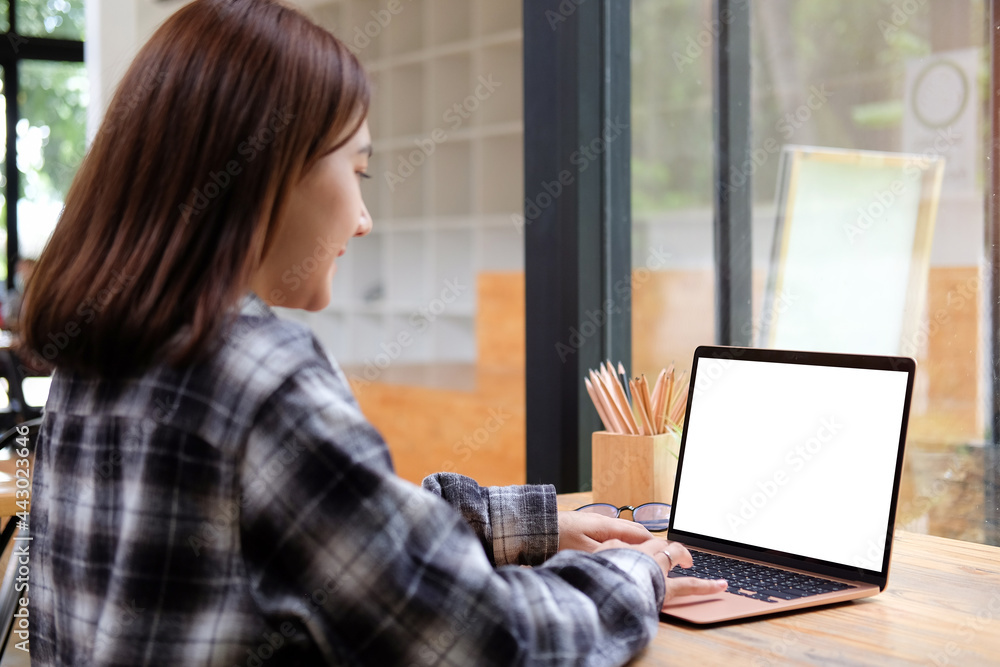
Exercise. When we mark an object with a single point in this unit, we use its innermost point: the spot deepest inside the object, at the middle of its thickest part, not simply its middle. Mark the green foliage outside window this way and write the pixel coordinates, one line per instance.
(51, 141)
(51, 130)
(61, 19)
(858, 48)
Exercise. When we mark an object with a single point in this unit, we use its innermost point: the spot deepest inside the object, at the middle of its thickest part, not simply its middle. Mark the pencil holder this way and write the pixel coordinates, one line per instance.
(634, 469)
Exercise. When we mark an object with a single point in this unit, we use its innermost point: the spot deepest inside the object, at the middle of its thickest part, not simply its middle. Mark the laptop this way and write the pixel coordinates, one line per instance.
(788, 477)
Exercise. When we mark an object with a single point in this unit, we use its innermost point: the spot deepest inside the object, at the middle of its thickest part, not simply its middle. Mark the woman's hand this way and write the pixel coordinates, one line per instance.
(585, 531)
(669, 555)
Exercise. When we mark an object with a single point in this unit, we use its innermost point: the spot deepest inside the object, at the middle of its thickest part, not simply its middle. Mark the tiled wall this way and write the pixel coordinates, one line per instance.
(447, 175)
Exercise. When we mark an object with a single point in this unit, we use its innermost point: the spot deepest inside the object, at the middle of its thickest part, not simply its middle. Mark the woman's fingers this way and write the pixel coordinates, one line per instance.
(679, 555)
(603, 528)
(679, 586)
(669, 555)
(627, 531)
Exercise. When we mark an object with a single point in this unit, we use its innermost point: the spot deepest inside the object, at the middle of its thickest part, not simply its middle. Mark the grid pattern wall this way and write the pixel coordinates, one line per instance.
(447, 175)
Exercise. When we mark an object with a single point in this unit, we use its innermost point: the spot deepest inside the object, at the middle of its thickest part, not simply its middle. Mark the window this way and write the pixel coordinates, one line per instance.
(910, 81)
(45, 97)
(906, 79)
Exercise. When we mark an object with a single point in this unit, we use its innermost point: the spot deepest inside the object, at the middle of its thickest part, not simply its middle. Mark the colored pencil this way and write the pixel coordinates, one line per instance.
(623, 376)
(609, 425)
(629, 406)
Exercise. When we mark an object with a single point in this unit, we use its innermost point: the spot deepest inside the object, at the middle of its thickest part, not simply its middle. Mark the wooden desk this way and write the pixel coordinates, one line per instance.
(8, 488)
(941, 607)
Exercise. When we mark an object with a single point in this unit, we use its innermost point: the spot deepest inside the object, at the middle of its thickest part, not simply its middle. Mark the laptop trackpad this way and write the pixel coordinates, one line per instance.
(692, 600)
(718, 607)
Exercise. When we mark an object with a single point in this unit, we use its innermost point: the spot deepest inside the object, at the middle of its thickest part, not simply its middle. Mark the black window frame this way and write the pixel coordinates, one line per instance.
(15, 48)
(577, 226)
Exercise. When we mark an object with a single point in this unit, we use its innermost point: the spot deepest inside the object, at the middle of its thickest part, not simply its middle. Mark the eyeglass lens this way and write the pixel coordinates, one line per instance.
(654, 516)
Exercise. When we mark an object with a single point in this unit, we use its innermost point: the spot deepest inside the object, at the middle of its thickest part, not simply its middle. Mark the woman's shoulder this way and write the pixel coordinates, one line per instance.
(257, 354)
(263, 350)
(271, 361)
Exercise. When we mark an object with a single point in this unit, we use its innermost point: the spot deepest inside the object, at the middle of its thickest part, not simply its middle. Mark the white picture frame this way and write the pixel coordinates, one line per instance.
(851, 250)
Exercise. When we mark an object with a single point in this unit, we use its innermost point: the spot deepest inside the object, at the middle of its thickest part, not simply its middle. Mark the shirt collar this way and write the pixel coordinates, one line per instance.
(253, 305)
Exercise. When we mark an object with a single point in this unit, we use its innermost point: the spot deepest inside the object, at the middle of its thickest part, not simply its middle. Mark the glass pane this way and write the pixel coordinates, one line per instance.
(50, 145)
(427, 315)
(4, 15)
(862, 262)
(672, 146)
(61, 19)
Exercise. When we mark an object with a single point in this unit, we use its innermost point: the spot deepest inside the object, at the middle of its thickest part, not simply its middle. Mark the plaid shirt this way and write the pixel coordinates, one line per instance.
(244, 512)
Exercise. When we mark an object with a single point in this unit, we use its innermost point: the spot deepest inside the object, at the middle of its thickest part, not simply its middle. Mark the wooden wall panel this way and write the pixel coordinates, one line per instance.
(947, 405)
(672, 314)
(461, 417)
(479, 434)
(500, 320)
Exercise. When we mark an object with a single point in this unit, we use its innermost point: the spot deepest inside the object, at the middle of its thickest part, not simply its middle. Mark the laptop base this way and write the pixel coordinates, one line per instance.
(728, 606)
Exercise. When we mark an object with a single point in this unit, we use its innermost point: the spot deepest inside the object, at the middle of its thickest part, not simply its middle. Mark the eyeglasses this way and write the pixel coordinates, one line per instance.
(653, 516)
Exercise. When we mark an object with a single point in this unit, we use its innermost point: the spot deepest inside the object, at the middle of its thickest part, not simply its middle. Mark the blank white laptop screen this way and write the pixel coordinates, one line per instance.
(792, 457)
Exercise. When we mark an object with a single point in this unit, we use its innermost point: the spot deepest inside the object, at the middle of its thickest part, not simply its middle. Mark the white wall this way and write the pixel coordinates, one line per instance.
(116, 29)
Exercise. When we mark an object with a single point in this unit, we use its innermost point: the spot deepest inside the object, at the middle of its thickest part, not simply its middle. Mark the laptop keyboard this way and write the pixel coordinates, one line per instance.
(759, 582)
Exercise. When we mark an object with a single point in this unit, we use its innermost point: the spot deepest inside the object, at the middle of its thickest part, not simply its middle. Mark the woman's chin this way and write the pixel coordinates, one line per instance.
(311, 302)
(318, 302)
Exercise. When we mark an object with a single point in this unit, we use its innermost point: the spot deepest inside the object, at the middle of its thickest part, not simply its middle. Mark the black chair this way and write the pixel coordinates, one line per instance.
(9, 437)
(15, 372)
(8, 594)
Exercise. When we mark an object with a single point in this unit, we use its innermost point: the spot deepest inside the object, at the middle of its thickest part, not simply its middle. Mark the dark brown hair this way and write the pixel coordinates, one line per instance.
(175, 204)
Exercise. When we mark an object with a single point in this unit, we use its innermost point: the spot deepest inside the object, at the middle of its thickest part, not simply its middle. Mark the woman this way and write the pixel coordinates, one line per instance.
(206, 490)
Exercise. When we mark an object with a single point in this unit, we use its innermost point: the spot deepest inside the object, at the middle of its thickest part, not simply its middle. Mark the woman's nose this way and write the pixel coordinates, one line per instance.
(364, 223)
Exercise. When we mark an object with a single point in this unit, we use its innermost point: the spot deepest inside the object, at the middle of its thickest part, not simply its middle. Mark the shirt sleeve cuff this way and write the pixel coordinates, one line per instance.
(641, 568)
(525, 522)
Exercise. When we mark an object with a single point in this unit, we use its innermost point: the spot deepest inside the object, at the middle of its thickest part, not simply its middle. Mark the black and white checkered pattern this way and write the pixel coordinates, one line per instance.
(244, 512)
